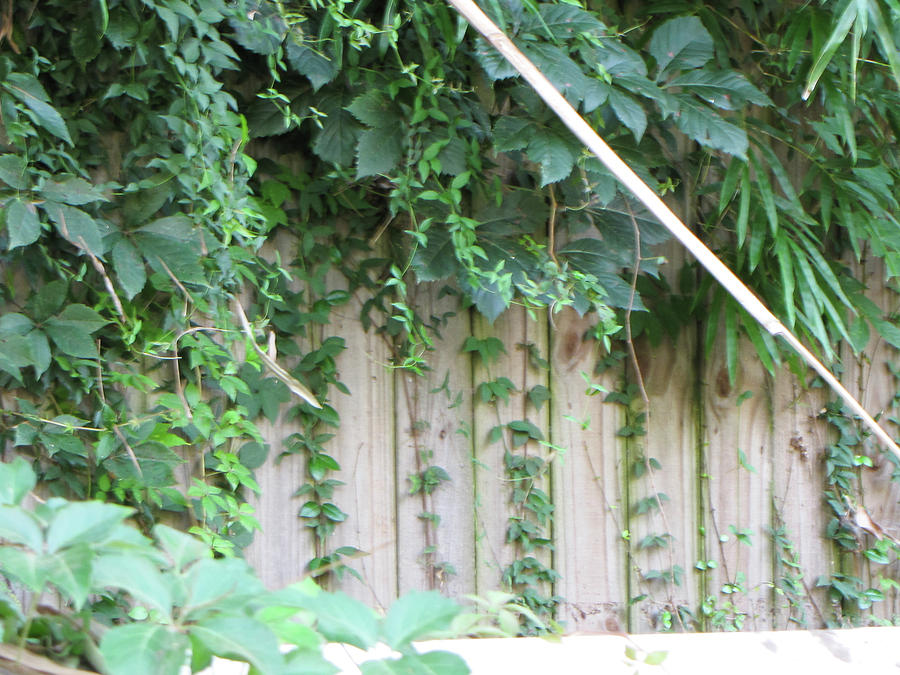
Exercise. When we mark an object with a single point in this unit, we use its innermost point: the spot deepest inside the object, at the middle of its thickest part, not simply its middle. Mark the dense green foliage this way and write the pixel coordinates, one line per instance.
(150, 149)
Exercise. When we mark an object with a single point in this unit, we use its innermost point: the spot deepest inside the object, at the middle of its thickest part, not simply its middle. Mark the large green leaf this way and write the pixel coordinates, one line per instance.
(563, 21)
(84, 522)
(22, 223)
(12, 171)
(138, 576)
(680, 44)
(436, 260)
(144, 649)
(71, 330)
(562, 71)
(28, 90)
(318, 68)
(416, 615)
(157, 464)
(17, 479)
(172, 245)
(183, 549)
(18, 526)
(129, 267)
(430, 663)
(629, 112)
(24, 566)
(70, 571)
(72, 190)
(726, 89)
(335, 141)
(378, 150)
(710, 129)
(343, 619)
(76, 226)
(240, 638)
(556, 153)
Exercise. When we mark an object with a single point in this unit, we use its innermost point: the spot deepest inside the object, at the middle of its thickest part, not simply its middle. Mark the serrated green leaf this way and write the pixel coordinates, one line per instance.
(681, 44)
(70, 570)
(17, 479)
(629, 112)
(374, 109)
(12, 171)
(562, 71)
(513, 133)
(76, 226)
(144, 649)
(710, 129)
(22, 223)
(129, 268)
(416, 615)
(378, 151)
(72, 190)
(136, 575)
(315, 66)
(726, 89)
(336, 140)
(240, 638)
(27, 89)
(157, 464)
(556, 154)
(183, 549)
(84, 522)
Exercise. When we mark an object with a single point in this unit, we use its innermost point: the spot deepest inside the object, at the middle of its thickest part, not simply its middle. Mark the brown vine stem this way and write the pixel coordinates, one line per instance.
(646, 400)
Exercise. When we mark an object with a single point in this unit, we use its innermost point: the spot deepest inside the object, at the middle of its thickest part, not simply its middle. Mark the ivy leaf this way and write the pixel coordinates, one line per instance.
(315, 66)
(27, 89)
(144, 649)
(417, 614)
(378, 150)
(25, 566)
(538, 395)
(129, 267)
(262, 32)
(556, 154)
(12, 171)
(681, 44)
(22, 223)
(708, 128)
(72, 190)
(629, 112)
(182, 548)
(18, 526)
(71, 330)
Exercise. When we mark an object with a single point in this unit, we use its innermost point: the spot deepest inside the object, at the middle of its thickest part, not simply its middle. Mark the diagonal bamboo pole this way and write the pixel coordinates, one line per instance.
(570, 117)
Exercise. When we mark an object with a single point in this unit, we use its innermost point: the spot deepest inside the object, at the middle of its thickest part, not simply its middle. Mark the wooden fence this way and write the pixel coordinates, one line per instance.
(732, 462)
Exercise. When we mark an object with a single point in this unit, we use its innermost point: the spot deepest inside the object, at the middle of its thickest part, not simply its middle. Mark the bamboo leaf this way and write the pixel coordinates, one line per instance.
(838, 34)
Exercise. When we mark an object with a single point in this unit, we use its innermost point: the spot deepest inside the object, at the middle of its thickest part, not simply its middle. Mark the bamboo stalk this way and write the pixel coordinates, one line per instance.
(586, 134)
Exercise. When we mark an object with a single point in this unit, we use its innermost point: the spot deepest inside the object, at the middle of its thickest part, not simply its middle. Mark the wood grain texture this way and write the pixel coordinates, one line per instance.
(431, 411)
(587, 487)
(493, 489)
(798, 481)
(737, 499)
(365, 447)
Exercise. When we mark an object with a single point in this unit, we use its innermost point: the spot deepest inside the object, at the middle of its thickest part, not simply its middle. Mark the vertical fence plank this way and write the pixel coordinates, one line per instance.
(799, 513)
(737, 501)
(664, 570)
(365, 446)
(281, 551)
(586, 483)
(869, 378)
(493, 489)
(431, 411)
